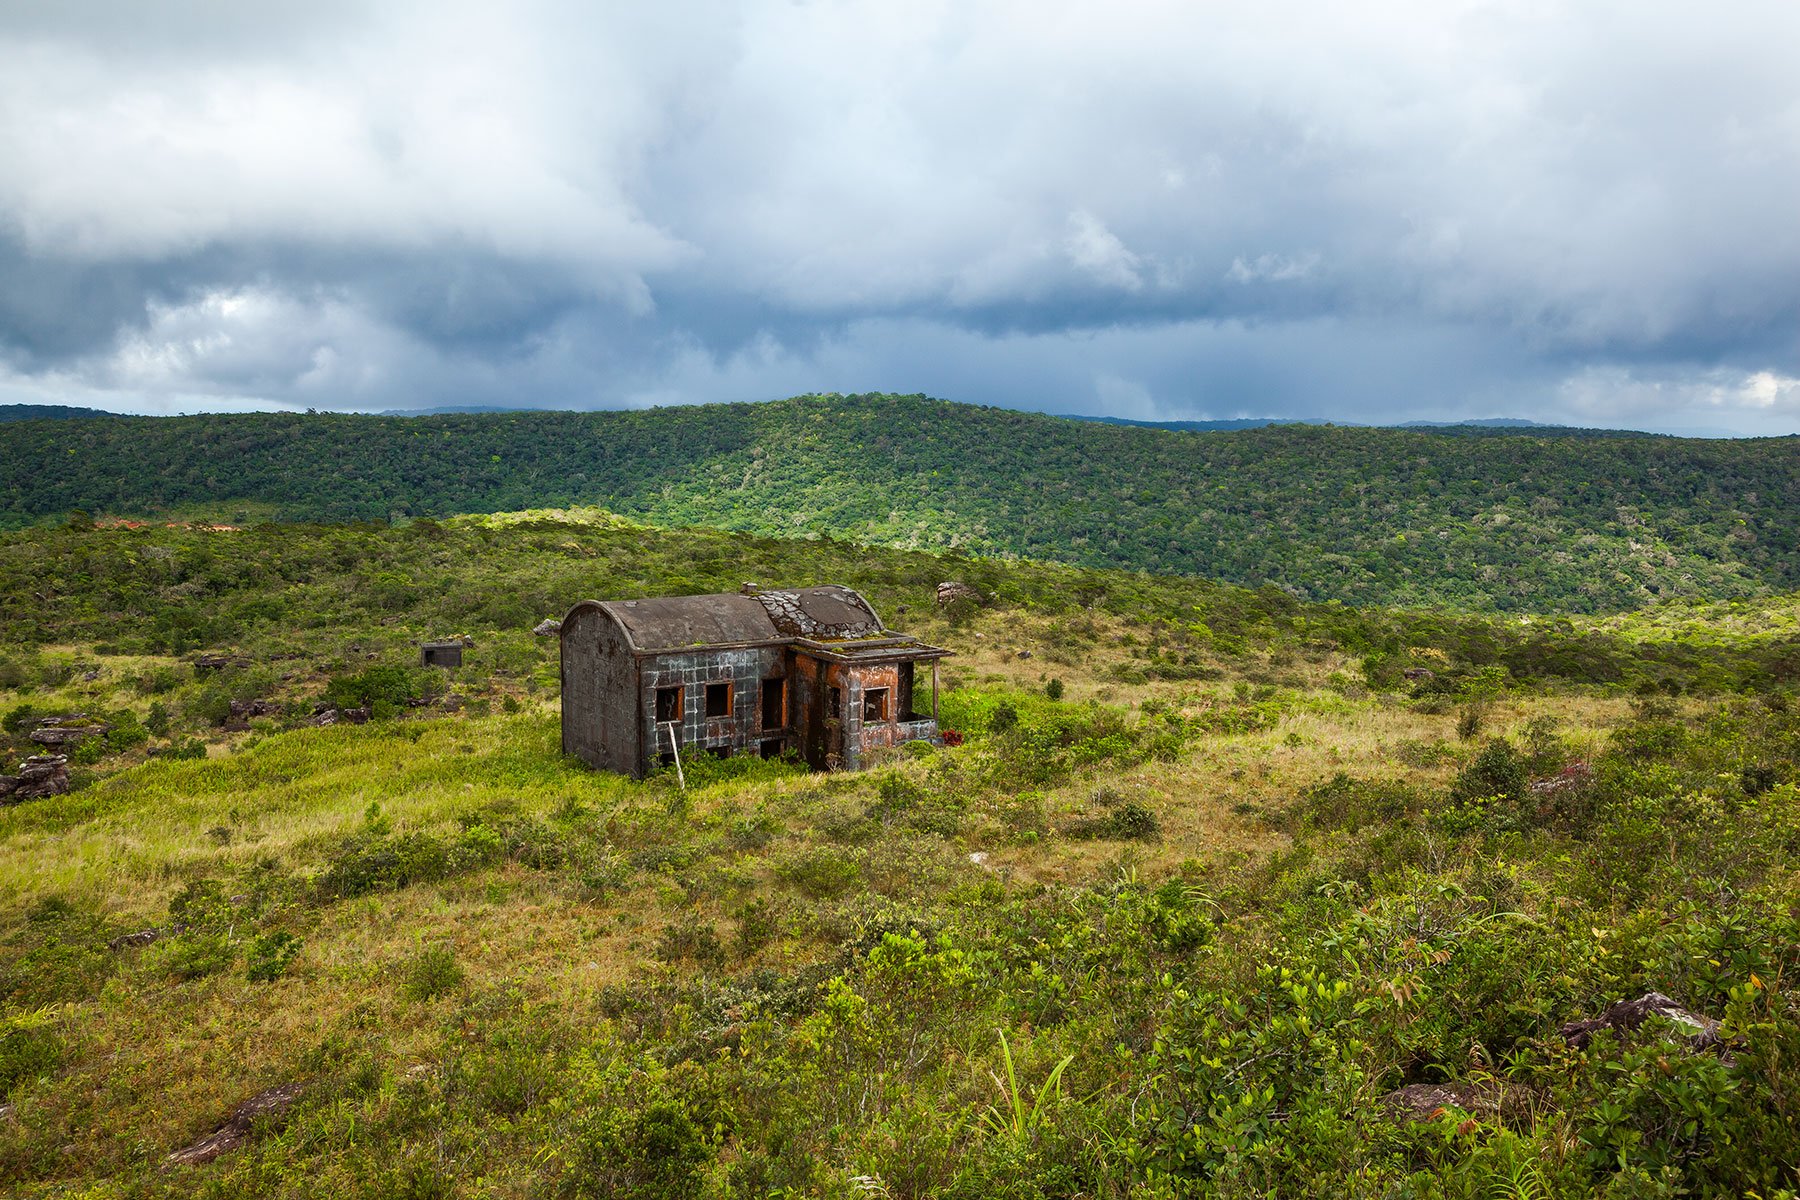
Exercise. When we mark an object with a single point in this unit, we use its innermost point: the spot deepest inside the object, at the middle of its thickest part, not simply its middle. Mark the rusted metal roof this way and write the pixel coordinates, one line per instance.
(733, 618)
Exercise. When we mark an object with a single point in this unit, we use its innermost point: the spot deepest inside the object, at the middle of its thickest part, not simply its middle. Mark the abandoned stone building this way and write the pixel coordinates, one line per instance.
(808, 670)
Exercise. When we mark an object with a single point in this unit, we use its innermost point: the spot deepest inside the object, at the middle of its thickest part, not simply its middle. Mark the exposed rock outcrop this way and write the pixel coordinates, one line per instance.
(243, 710)
(57, 732)
(948, 592)
(39, 776)
(1625, 1015)
(1423, 1101)
(548, 627)
(1571, 776)
(231, 1132)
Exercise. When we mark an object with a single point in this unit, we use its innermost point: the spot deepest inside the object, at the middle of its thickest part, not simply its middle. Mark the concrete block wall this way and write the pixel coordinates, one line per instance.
(691, 671)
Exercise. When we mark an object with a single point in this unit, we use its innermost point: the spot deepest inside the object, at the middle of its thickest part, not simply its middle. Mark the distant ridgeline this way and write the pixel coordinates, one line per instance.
(1527, 520)
(47, 412)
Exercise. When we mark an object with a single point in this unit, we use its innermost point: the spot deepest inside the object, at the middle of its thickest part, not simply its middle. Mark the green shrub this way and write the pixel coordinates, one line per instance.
(270, 955)
(383, 690)
(126, 732)
(193, 954)
(690, 939)
(1133, 822)
(186, 748)
(1129, 822)
(757, 926)
(821, 873)
(1344, 802)
(433, 972)
(1003, 719)
(29, 1048)
(56, 971)
(1496, 776)
(158, 680)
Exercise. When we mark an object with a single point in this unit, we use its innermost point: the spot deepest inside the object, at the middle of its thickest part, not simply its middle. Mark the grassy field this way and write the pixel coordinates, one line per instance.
(1179, 918)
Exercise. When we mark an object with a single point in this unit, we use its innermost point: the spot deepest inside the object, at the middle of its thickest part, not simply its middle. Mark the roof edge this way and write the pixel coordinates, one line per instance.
(604, 608)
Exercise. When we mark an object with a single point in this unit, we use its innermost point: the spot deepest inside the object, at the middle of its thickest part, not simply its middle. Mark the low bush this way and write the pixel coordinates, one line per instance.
(433, 972)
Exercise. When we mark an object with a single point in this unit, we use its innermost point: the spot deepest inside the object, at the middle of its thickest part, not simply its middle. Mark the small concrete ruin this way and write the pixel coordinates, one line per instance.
(808, 671)
(445, 654)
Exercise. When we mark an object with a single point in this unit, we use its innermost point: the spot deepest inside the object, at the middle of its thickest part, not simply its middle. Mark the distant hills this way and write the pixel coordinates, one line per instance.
(47, 412)
(1521, 519)
(1482, 425)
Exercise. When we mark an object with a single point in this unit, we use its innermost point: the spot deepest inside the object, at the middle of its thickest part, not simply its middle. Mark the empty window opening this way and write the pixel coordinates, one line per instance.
(718, 699)
(719, 751)
(774, 703)
(668, 705)
(836, 705)
(771, 748)
(875, 704)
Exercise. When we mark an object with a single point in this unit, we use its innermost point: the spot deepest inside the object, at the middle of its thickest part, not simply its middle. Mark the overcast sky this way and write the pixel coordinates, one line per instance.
(1578, 212)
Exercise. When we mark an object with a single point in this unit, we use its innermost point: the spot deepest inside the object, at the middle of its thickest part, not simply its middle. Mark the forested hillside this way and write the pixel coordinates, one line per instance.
(1495, 521)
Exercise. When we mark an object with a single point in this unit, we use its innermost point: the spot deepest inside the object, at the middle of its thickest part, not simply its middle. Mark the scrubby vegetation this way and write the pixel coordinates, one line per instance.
(1492, 520)
(1197, 921)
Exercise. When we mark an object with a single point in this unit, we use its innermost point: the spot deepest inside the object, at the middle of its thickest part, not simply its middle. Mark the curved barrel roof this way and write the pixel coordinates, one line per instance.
(734, 618)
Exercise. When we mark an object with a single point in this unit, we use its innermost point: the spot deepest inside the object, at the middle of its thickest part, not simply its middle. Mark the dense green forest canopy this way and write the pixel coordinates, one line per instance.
(1499, 521)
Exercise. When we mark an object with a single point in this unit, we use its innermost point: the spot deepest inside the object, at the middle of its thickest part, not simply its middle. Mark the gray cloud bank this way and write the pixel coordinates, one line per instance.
(1390, 211)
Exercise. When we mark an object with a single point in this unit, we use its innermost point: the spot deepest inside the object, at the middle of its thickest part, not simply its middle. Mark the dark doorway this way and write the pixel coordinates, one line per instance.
(771, 748)
(903, 701)
(774, 703)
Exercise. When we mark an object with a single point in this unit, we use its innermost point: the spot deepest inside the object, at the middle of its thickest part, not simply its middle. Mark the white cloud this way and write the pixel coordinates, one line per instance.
(1098, 252)
(1715, 400)
(1271, 268)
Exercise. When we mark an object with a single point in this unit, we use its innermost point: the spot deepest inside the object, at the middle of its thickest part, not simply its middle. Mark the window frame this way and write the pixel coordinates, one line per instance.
(881, 700)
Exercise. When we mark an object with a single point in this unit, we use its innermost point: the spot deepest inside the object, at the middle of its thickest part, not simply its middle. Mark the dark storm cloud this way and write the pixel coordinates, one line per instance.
(1388, 212)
